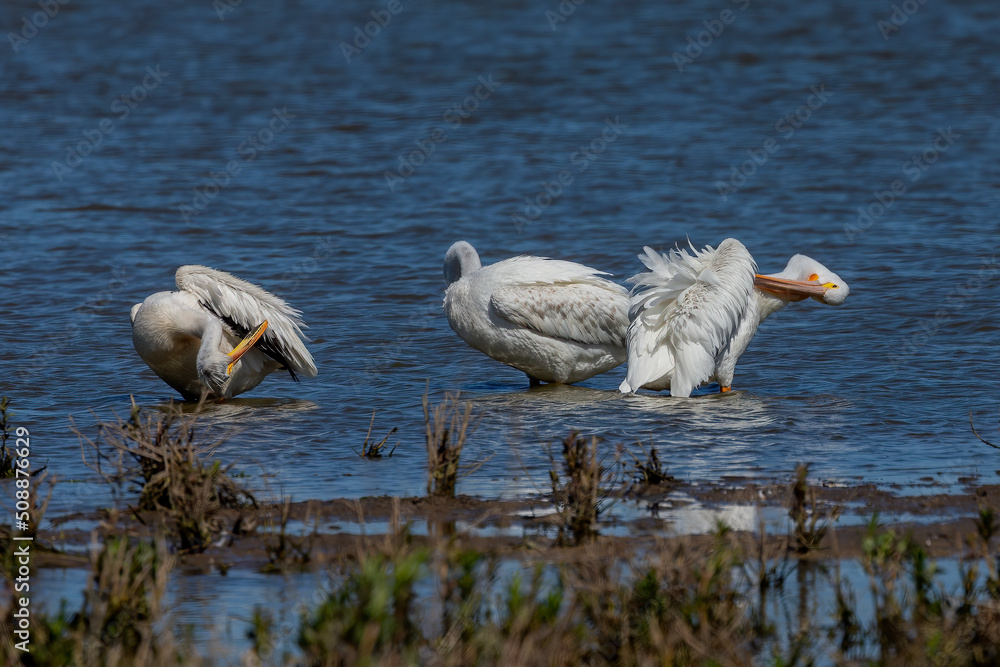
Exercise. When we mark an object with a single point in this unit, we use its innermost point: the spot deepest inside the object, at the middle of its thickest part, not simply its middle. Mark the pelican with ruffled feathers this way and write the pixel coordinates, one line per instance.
(693, 314)
(218, 336)
(556, 321)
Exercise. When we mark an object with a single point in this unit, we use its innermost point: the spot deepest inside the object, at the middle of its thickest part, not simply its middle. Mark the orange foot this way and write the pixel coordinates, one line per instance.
(725, 389)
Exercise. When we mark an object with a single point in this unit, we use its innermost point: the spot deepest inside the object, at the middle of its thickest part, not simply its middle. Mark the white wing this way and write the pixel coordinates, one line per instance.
(685, 313)
(564, 300)
(242, 306)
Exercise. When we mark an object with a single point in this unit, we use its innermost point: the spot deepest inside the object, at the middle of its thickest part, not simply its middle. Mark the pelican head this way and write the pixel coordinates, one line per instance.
(213, 370)
(460, 260)
(215, 367)
(804, 277)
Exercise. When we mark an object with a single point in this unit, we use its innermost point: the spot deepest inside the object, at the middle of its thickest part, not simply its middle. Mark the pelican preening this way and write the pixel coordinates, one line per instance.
(218, 335)
(693, 314)
(688, 321)
(556, 321)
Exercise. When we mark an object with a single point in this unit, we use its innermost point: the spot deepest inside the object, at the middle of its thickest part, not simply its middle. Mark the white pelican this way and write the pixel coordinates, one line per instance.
(218, 335)
(699, 310)
(556, 321)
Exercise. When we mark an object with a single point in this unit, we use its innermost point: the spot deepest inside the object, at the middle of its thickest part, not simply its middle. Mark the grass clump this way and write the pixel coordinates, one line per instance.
(265, 636)
(121, 621)
(650, 471)
(809, 524)
(285, 551)
(681, 601)
(373, 450)
(446, 427)
(6, 456)
(159, 453)
(123, 602)
(370, 615)
(579, 492)
(37, 505)
(914, 619)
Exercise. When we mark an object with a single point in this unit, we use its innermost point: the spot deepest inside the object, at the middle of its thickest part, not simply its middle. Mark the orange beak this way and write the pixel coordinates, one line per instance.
(245, 345)
(789, 290)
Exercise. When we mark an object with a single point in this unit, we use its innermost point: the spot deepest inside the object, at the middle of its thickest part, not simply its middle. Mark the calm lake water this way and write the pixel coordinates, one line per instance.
(143, 136)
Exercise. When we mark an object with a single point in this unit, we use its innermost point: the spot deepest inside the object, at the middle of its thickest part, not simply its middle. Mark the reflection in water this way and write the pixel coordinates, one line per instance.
(546, 396)
(734, 410)
(698, 520)
(242, 408)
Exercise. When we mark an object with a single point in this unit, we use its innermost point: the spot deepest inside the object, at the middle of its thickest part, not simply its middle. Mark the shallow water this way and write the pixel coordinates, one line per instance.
(879, 389)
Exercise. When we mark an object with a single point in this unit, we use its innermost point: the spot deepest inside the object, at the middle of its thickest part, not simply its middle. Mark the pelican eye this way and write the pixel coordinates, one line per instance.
(830, 286)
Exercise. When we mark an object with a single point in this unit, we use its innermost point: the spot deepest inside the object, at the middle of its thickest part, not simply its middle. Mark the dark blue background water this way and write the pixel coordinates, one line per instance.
(878, 389)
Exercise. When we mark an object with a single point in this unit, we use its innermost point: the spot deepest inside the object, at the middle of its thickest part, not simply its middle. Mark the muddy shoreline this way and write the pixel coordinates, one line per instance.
(338, 529)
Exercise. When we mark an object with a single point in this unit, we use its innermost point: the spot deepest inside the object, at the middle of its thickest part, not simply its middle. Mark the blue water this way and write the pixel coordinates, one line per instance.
(879, 388)
(250, 144)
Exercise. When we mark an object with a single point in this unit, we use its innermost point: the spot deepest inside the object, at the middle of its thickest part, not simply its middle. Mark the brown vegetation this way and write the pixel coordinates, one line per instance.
(159, 453)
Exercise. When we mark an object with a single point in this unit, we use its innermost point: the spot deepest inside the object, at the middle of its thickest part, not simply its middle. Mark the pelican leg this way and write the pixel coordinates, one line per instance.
(533, 381)
(725, 389)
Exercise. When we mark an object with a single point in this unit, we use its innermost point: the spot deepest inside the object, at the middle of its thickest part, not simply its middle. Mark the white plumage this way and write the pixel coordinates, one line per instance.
(554, 320)
(188, 337)
(694, 313)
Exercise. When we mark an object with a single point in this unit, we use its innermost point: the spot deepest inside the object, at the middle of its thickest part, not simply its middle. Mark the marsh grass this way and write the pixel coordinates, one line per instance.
(581, 492)
(265, 636)
(981, 438)
(987, 528)
(6, 456)
(674, 601)
(439, 600)
(370, 613)
(809, 523)
(446, 427)
(286, 551)
(38, 505)
(373, 450)
(160, 454)
(650, 470)
(678, 602)
(121, 621)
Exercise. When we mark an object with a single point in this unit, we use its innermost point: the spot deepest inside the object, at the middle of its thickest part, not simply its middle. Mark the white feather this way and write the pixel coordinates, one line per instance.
(247, 305)
(684, 313)
(557, 321)
(185, 336)
(694, 313)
